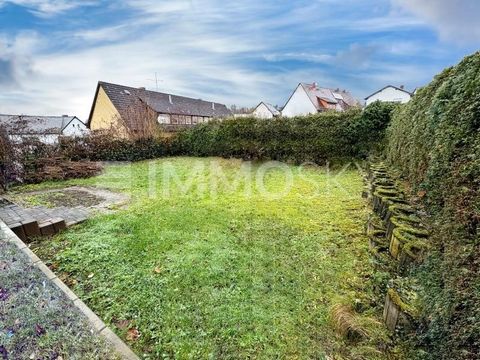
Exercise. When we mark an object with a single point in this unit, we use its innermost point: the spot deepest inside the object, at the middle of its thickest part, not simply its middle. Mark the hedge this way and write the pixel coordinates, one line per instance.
(316, 138)
(434, 141)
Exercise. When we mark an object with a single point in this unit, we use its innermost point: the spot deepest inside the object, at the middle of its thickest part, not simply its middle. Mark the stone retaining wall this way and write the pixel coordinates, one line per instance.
(396, 229)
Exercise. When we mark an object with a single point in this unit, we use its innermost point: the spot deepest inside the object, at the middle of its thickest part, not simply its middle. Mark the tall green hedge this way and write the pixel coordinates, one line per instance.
(434, 141)
(317, 138)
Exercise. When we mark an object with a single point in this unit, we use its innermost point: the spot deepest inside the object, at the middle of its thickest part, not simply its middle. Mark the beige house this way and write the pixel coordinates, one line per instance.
(266, 111)
(114, 105)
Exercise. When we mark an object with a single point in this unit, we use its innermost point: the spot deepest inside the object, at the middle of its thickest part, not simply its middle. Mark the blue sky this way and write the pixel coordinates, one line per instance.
(53, 52)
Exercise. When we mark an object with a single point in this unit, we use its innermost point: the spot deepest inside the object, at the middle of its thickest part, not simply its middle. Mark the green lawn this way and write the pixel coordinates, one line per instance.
(223, 271)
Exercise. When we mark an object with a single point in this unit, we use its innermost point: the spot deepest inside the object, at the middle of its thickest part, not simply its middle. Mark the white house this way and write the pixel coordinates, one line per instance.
(265, 111)
(310, 99)
(390, 93)
(47, 129)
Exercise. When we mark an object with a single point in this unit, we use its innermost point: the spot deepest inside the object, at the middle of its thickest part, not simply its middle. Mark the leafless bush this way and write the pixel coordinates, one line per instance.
(25, 159)
(137, 121)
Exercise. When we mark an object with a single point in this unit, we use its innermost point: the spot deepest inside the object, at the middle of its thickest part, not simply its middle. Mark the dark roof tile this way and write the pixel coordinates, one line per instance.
(123, 97)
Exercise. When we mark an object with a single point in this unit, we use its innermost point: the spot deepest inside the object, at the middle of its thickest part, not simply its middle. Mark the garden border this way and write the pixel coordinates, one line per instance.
(117, 344)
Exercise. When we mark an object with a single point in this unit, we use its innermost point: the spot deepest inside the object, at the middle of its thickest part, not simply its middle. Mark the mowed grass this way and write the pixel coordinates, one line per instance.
(232, 260)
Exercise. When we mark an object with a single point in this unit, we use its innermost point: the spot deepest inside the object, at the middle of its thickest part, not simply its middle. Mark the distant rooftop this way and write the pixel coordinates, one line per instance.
(30, 124)
(123, 97)
(270, 108)
(399, 88)
(326, 98)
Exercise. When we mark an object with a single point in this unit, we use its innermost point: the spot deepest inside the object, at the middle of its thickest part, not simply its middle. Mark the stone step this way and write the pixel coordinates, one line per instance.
(47, 228)
(39, 220)
(31, 228)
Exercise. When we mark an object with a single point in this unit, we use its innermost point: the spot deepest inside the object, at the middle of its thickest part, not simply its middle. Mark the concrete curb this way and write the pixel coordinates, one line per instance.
(117, 344)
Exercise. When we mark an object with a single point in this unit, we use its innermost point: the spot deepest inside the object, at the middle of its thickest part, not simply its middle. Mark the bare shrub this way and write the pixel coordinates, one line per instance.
(137, 121)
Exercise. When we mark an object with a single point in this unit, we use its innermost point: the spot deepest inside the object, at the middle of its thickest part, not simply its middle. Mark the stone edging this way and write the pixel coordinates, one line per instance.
(118, 345)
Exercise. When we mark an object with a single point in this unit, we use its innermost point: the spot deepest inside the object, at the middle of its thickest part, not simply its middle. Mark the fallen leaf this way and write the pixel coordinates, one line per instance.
(4, 294)
(122, 324)
(158, 269)
(132, 334)
(3, 352)
(90, 275)
(3, 265)
(32, 356)
(421, 194)
(39, 330)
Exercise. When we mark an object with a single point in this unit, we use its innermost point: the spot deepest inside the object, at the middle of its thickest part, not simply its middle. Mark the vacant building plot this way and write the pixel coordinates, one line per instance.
(218, 258)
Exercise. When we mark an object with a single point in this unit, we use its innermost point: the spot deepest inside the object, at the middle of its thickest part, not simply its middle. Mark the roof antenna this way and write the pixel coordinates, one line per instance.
(156, 81)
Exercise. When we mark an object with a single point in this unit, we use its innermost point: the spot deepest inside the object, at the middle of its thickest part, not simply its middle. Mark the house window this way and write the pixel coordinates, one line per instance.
(163, 119)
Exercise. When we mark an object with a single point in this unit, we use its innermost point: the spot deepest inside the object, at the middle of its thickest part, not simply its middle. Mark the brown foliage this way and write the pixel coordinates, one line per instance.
(137, 121)
(57, 168)
(346, 322)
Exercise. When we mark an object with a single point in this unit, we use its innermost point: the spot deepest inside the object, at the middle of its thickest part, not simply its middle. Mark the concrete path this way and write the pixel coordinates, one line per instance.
(32, 221)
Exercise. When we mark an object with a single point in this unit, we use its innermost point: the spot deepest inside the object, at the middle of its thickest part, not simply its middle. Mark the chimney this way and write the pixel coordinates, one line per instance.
(402, 87)
(213, 106)
(170, 99)
(141, 88)
(64, 115)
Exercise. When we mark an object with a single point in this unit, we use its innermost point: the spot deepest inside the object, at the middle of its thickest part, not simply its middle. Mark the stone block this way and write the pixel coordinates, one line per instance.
(18, 230)
(46, 228)
(31, 228)
(59, 224)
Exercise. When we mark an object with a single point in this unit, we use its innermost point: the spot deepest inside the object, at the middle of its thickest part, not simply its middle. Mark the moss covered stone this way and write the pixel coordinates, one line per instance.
(403, 235)
(404, 307)
(411, 253)
(403, 221)
(399, 209)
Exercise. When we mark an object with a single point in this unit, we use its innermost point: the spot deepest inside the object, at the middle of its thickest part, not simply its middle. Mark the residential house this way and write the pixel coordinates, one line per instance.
(390, 93)
(115, 103)
(266, 111)
(311, 99)
(47, 129)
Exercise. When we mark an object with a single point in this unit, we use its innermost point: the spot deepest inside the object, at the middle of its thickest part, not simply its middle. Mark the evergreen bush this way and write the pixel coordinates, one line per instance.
(434, 141)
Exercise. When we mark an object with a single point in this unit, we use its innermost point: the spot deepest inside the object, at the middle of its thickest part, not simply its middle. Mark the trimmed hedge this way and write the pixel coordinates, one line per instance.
(434, 141)
(104, 147)
(316, 138)
(319, 138)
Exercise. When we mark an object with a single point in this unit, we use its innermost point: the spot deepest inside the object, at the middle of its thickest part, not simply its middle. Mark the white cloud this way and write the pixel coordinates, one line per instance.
(456, 21)
(16, 58)
(189, 61)
(203, 49)
(355, 56)
(111, 33)
(160, 7)
(48, 8)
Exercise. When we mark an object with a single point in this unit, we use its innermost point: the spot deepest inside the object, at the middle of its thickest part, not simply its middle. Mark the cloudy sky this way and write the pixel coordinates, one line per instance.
(53, 52)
